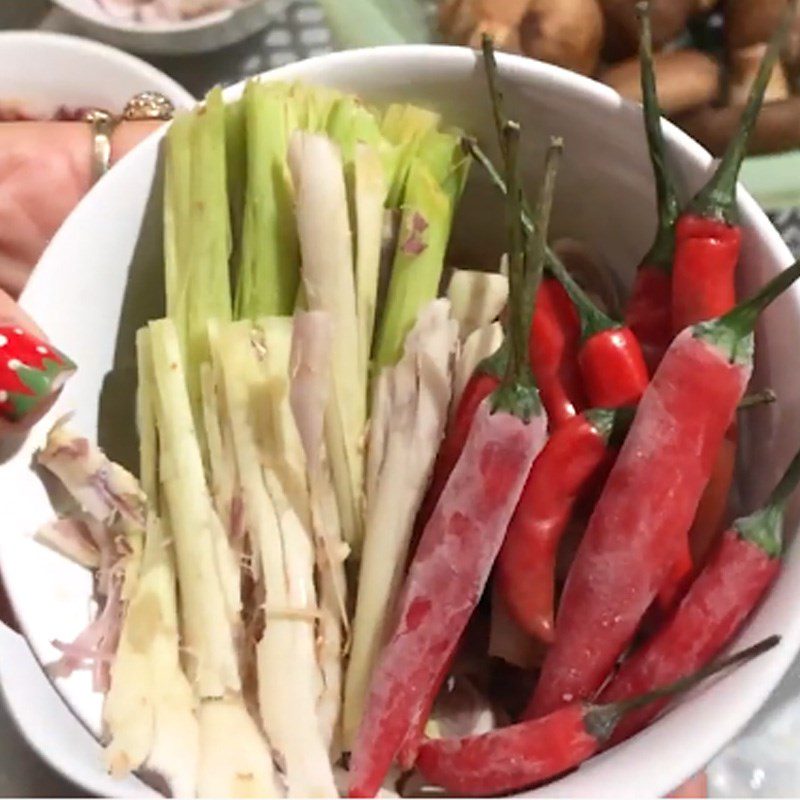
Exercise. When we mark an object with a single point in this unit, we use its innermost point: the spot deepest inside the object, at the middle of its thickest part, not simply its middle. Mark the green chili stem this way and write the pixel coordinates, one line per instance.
(663, 249)
(718, 199)
(787, 484)
(600, 721)
(593, 320)
(495, 93)
(517, 362)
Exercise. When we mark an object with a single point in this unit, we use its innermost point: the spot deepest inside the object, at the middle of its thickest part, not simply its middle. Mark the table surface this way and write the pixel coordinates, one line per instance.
(297, 33)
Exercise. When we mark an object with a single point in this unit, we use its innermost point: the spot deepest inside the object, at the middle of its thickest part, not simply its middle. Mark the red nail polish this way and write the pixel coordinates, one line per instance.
(31, 370)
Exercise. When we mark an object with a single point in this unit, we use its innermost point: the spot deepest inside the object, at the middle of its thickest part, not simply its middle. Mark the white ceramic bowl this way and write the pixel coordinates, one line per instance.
(207, 32)
(44, 70)
(109, 251)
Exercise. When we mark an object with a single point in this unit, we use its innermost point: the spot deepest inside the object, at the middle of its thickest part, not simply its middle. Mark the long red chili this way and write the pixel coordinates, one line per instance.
(460, 542)
(741, 568)
(708, 240)
(649, 311)
(610, 358)
(519, 756)
(525, 571)
(634, 535)
(554, 345)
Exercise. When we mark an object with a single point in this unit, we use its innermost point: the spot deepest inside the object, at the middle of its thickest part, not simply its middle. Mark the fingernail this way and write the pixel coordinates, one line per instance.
(31, 371)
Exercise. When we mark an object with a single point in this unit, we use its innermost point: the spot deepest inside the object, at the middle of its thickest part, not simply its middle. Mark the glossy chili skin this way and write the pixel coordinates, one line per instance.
(555, 340)
(510, 758)
(704, 269)
(648, 503)
(614, 370)
(649, 312)
(729, 587)
(444, 584)
(525, 569)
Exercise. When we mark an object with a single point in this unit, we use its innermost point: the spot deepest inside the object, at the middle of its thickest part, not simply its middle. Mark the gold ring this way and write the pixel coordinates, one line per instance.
(102, 125)
(148, 105)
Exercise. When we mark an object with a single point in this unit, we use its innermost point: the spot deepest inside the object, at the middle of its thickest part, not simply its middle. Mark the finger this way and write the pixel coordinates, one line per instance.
(32, 370)
(7, 616)
(128, 134)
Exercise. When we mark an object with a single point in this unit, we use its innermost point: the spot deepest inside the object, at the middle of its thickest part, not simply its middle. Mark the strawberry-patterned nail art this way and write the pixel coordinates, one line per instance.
(31, 370)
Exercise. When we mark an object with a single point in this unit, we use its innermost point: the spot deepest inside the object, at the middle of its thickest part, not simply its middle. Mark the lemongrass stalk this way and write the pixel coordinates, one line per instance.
(409, 418)
(287, 670)
(236, 166)
(208, 587)
(418, 263)
(309, 394)
(269, 266)
(149, 710)
(310, 107)
(478, 346)
(477, 298)
(326, 244)
(146, 418)
(235, 760)
(405, 126)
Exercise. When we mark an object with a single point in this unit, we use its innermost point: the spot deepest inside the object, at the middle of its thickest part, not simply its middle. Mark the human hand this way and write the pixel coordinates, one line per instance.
(45, 169)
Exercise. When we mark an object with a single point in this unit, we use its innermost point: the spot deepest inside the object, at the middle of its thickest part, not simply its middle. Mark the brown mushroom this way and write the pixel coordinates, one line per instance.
(568, 33)
(777, 128)
(744, 66)
(686, 79)
(622, 28)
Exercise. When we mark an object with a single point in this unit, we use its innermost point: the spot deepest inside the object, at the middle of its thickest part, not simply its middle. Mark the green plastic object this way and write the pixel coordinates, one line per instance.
(367, 23)
(774, 181)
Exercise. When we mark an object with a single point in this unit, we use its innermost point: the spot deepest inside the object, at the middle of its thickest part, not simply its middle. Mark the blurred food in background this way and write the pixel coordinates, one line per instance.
(163, 10)
(708, 55)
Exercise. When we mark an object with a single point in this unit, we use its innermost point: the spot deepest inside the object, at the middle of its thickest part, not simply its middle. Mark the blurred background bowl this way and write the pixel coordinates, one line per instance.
(201, 34)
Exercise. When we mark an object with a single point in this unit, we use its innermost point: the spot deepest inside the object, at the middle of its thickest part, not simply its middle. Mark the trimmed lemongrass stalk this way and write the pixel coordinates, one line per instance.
(477, 298)
(236, 167)
(310, 107)
(327, 255)
(149, 690)
(435, 181)
(235, 760)
(478, 346)
(208, 576)
(269, 266)
(288, 678)
(309, 395)
(404, 127)
(408, 421)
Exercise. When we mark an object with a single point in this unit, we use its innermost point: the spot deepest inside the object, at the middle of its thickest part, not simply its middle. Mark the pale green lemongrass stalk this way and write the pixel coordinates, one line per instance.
(269, 265)
(310, 107)
(208, 574)
(309, 395)
(328, 277)
(288, 676)
(236, 165)
(409, 418)
(477, 298)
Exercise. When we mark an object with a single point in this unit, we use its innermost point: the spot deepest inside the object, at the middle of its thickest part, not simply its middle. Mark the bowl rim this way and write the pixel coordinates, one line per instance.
(196, 24)
(82, 47)
(773, 665)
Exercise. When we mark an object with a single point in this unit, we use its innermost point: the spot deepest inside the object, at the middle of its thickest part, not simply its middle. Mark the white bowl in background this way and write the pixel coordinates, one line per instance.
(201, 34)
(42, 71)
(605, 198)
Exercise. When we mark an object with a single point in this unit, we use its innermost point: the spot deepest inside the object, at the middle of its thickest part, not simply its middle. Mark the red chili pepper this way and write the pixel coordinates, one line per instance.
(460, 542)
(519, 756)
(649, 312)
(554, 343)
(606, 345)
(708, 234)
(525, 572)
(634, 535)
(740, 570)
